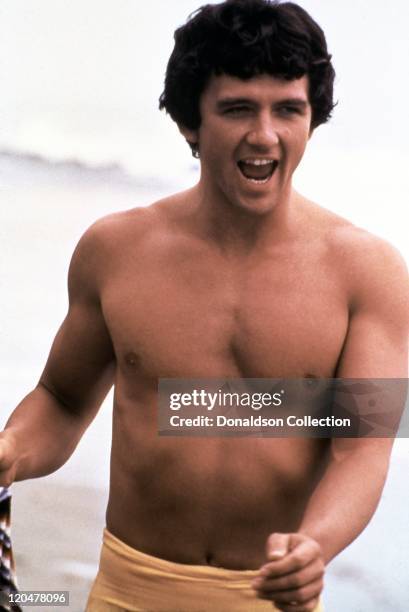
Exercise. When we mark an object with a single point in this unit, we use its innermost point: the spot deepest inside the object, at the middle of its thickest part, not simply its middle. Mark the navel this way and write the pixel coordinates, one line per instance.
(211, 561)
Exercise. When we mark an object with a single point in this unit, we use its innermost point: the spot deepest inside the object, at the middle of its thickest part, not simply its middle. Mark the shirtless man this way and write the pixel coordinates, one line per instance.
(239, 276)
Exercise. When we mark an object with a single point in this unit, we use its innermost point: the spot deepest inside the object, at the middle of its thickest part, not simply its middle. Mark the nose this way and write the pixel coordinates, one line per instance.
(263, 134)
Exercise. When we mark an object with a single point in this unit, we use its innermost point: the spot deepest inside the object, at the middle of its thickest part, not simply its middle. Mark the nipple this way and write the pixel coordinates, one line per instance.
(311, 381)
(131, 359)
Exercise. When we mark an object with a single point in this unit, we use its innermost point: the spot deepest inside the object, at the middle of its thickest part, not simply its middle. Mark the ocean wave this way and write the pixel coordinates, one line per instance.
(20, 165)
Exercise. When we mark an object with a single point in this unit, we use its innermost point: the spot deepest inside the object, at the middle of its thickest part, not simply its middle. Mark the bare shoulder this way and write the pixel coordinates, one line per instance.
(353, 248)
(373, 271)
(130, 226)
(368, 260)
(119, 226)
(108, 241)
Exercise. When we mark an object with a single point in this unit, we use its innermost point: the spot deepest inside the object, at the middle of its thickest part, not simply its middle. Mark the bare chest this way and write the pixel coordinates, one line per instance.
(197, 319)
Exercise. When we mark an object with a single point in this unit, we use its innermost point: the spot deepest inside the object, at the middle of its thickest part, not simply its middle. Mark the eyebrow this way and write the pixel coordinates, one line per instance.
(300, 102)
(226, 102)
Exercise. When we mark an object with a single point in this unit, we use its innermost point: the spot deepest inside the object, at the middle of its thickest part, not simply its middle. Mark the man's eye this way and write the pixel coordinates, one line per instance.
(237, 110)
(289, 110)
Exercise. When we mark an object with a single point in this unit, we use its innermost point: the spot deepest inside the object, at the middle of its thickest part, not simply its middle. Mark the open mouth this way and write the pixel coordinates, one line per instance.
(257, 170)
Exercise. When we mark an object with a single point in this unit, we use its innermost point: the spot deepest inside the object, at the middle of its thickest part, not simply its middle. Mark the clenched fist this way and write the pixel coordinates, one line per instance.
(292, 578)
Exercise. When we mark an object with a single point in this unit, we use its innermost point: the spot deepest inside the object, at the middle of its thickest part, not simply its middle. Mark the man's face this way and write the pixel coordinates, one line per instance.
(252, 136)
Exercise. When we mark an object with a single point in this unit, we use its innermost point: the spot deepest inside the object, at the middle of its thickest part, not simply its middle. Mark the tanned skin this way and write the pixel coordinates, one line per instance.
(229, 279)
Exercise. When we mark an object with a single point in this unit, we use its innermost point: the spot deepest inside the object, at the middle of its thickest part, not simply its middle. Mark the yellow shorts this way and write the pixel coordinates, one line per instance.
(131, 581)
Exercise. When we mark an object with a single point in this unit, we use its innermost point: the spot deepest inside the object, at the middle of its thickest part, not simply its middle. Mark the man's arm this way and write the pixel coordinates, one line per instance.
(347, 496)
(376, 347)
(45, 428)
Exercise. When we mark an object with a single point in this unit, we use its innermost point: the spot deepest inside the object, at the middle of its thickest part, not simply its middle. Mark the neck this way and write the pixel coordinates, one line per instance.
(236, 229)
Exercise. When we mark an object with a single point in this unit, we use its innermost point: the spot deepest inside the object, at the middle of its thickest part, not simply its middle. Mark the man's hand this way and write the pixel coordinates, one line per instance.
(8, 459)
(292, 578)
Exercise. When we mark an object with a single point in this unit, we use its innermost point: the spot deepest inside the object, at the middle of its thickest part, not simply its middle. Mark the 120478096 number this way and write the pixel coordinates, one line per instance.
(45, 598)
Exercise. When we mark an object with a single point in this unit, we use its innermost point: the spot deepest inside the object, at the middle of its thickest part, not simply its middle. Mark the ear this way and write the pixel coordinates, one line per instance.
(192, 136)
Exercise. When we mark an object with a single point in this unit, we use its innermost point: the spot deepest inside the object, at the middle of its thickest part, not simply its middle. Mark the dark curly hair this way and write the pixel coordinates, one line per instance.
(244, 38)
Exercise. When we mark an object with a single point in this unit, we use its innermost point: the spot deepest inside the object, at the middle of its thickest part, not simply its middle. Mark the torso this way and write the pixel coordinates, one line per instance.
(177, 307)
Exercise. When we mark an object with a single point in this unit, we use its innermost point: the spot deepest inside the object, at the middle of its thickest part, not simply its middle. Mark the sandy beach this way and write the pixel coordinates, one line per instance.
(57, 534)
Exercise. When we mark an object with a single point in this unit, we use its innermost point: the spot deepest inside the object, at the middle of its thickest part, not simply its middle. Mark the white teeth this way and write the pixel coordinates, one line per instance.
(258, 181)
(258, 162)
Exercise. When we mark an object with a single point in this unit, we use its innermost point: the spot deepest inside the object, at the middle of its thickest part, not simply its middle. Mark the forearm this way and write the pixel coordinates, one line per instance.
(44, 433)
(346, 498)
